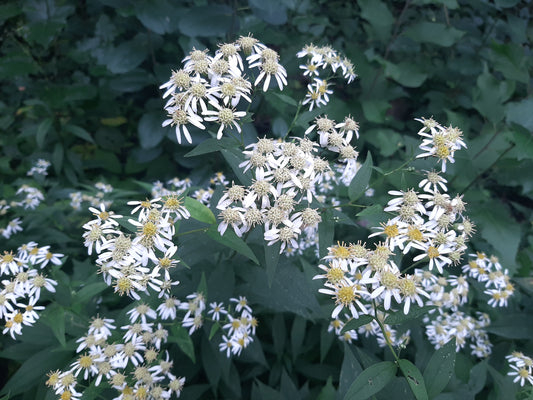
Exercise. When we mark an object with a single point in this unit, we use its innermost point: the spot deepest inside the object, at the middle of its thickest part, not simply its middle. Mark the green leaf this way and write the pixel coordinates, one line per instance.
(440, 369)
(350, 370)
(375, 110)
(414, 379)
(399, 317)
(355, 323)
(150, 131)
(180, 336)
(57, 157)
(326, 233)
(284, 98)
(513, 325)
(478, 377)
(234, 157)
(214, 329)
(271, 259)
(159, 16)
(54, 317)
(328, 391)
(211, 145)
(42, 130)
(433, 33)
(79, 132)
(406, 73)
(297, 336)
(273, 12)
(520, 113)
(35, 368)
(86, 293)
(371, 380)
(379, 16)
(231, 240)
(360, 181)
(199, 211)
(206, 21)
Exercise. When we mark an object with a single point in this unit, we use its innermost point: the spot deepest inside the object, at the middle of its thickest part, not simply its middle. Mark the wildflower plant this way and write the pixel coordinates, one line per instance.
(271, 235)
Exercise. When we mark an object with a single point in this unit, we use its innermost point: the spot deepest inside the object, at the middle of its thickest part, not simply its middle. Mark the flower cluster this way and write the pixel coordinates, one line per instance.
(318, 60)
(240, 327)
(439, 141)
(95, 198)
(285, 175)
(40, 167)
(497, 281)
(460, 327)
(135, 264)
(133, 363)
(522, 367)
(209, 88)
(22, 283)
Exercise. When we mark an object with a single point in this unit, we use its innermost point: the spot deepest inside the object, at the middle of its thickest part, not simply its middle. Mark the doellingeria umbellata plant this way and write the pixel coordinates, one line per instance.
(282, 197)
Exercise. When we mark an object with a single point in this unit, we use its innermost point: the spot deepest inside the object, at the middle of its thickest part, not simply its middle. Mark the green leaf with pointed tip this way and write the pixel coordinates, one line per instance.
(180, 336)
(440, 369)
(414, 379)
(371, 380)
(231, 240)
(199, 211)
(79, 132)
(355, 323)
(42, 131)
(360, 181)
(399, 317)
(211, 145)
(54, 317)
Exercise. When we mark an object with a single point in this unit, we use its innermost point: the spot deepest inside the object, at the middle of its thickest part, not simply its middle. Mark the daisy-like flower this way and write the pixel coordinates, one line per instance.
(436, 254)
(313, 98)
(241, 304)
(286, 234)
(521, 374)
(181, 118)
(411, 292)
(215, 310)
(270, 67)
(432, 182)
(346, 295)
(226, 117)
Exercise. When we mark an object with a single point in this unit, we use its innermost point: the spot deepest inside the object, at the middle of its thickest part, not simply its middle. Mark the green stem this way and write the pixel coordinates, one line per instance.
(294, 119)
(382, 327)
(192, 231)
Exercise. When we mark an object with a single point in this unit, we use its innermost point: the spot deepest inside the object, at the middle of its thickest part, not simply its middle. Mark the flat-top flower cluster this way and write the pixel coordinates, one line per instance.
(141, 262)
(433, 226)
(209, 88)
(286, 175)
(322, 61)
(134, 362)
(22, 284)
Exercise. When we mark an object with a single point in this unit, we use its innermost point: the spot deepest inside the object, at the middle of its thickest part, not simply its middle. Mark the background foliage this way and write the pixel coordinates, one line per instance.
(80, 88)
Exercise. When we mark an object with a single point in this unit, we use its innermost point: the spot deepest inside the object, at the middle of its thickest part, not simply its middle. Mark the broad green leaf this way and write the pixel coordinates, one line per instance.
(273, 11)
(199, 211)
(478, 377)
(510, 59)
(231, 240)
(360, 181)
(433, 33)
(520, 113)
(88, 292)
(54, 317)
(504, 387)
(375, 110)
(214, 329)
(150, 131)
(328, 391)
(42, 131)
(206, 21)
(406, 73)
(79, 132)
(271, 259)
(159, 16)
(350, 370)
(399, 317)
(35, 368)
(57, 158)
(234, 157)
(297, 336)
(379, 16)
(211, 145)
(513, 325)
(284, 98)
(414, 378)
(371, 380)
(326, 233)
(440, 369)
(180, 336)
(355, 323)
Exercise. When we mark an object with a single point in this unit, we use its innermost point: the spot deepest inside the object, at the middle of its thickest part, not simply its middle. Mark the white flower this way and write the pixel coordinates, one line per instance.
(225, 117)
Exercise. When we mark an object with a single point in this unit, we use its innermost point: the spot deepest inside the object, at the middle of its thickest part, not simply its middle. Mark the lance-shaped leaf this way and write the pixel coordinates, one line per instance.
(371, 380)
